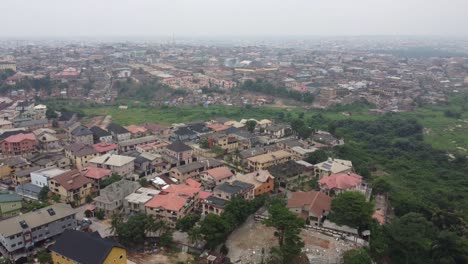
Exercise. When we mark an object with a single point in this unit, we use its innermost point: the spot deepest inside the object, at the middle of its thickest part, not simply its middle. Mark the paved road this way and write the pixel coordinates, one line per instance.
(102, 226)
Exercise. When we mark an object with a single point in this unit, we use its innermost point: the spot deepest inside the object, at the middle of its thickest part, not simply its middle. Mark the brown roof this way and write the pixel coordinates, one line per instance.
(315, 202)
(71, 180)
(220, 173)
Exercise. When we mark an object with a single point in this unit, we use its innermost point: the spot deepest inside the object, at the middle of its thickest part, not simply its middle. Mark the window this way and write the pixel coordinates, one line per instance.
(121, 257)
(14, 245)
(19, 243)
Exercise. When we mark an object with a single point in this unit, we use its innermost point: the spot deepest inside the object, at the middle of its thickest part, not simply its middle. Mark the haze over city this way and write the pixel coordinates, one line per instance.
(147, 18)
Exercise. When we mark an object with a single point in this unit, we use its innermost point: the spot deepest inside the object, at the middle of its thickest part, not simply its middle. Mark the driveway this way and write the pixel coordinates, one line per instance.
(102, 226)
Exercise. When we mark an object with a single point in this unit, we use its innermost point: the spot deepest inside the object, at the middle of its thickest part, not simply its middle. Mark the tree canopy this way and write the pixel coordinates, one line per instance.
(288, 226)
(351, 209)
(357, 256)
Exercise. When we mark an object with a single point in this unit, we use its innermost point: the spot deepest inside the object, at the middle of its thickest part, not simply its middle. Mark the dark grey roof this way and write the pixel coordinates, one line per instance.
(286, 170)
(28, 189)
(215, 201)
(199, 128)
(32, 123)
(212, 163)
(81, 131)
(16, 161)
(234, 187)
(80, 149)
(190, 167)
(86, 248)
(184, 131)
(178, 146)
(66, 116)
(117, 129)
(10, 133)
(26, 172)
(99, 132)
(44, 158)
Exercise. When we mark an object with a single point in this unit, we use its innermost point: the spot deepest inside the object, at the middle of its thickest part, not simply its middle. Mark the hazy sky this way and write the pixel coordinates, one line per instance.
(36, 18)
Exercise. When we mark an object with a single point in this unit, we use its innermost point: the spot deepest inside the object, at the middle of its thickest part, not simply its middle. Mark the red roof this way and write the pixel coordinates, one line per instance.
(218, 127)
(193, 183)
(220, 173)
(170, 201)
(20, 137)
(182, 189)
(136, 129)
(341, 181)
(104, 147)
(203, 195)
(379, 217)
(314, 201)
(96, 173)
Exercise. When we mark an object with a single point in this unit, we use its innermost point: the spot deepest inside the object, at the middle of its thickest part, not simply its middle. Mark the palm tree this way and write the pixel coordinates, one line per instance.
(116, 221)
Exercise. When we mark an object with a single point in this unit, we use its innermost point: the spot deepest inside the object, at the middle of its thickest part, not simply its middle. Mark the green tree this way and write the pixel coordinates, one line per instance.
(88, 213)
(411, 235)
(351, 209)
(108, 181)
(288, 226)
(100, 214)
(204, 143)
(144, 182)
(214, 229)
(187, 222)
(195, 234)
(380, 186)
(447, 247)
(165, 239)
(135, 230)
(50, 113)
(317, 157)
(251, 124)
(357, 256)
(44, 257)
(43, 195)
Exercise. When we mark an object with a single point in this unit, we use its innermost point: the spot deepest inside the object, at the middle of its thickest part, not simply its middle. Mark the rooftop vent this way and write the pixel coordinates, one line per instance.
(51, 211)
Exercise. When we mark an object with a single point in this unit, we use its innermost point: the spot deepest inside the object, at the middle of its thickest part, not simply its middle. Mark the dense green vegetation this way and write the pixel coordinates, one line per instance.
(351, 208)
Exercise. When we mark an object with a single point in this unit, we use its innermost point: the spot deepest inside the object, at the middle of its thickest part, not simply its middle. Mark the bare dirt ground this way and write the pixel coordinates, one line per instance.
(247, 243)
(160, 258)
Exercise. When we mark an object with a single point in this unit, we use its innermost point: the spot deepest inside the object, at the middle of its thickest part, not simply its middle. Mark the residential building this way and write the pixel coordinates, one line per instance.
(71, 186)
(184, 172)
(262, 181)
(119, 164)
(23, 176)
(41, 177)
(111, 199)
(216, 176)
(96, 175)
(19, 145)
(79, 247)
(135, 202)
(173, 205)
(278, 131)
(28, 191)
(179, 152)
(26, 230)
(228, 190)
(10, 204)
(48, 142)
(213, 205)
(82, 135)
(9, 166)
(132, 144)
(342, 182)
(80, 154)
(310, 206)
(226, 142)
(119, 133)
(50, 159)
(263, 161)
(101, 135)
(106, 148)
(333, 166)
(292, 173)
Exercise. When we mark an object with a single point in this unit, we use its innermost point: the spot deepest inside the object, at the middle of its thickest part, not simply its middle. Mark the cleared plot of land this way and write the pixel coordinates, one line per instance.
(252, 241)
